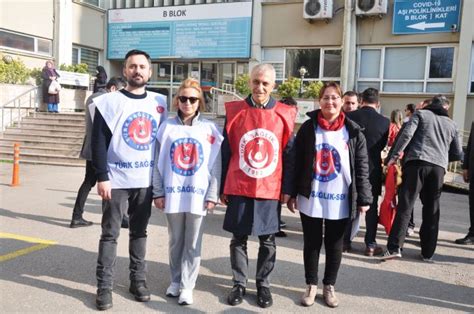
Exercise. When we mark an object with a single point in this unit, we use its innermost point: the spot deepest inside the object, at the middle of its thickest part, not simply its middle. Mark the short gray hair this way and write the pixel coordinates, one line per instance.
(264, 67)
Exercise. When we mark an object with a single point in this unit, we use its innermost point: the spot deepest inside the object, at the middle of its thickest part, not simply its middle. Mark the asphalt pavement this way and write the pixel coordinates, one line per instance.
(45, 266)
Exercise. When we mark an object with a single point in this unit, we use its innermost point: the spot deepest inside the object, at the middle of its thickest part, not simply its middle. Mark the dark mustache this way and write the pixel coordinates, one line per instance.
(137, 75)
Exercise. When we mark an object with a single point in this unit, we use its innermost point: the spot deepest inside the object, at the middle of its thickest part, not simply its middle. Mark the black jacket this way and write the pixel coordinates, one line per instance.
(304, 151)
(469, 155)
(375, 128)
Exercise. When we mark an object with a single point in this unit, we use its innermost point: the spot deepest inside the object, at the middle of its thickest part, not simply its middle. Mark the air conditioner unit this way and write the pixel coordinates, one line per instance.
(317, 9)
(371, 7)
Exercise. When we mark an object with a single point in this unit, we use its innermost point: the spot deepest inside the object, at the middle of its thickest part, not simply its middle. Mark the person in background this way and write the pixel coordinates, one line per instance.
(350, 101)
(187, 154)
(290, 101)
(409, 110)
(375, 128)
(396, 121)
(100, 78)
(429, 142)
(123, 151)
(256, 133)
(331, 183)
(115, 83)
(49, 74)
(468, 175)
(422, 104)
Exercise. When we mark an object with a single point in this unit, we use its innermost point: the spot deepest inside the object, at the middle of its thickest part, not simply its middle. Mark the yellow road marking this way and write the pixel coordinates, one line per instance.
(40, 244)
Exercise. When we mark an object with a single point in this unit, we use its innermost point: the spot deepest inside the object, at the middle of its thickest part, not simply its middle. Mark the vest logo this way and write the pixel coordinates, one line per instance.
(327, 163)
(186, 156)
(139, 130)
(160, 109)
(258, 153)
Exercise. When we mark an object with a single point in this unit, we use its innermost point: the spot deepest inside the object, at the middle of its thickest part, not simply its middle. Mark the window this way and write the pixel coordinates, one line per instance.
(26, 43)
(296, 58)
(418, 69)
(87, 56)
(322, 64)
(276, 57)
(95, 3)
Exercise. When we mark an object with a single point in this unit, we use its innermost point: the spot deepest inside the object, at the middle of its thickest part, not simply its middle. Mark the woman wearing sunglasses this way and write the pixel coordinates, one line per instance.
(186, 183)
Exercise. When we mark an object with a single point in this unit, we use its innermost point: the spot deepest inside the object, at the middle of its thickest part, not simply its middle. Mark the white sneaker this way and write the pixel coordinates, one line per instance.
(173, 290)
(186, 297)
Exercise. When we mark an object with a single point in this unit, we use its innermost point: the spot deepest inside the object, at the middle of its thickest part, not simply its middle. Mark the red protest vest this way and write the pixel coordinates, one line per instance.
(257, 138)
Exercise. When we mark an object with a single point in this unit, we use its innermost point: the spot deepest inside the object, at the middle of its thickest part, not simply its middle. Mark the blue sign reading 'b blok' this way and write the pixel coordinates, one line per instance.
(425, 16)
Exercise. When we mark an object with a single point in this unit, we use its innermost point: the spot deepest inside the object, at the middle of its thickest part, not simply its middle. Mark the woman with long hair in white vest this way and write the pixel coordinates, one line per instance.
(186, 183)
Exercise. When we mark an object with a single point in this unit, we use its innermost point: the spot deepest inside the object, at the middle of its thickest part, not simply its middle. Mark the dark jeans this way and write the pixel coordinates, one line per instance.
(427, 181)
(265, 261)
(89, 182)
(411, 223)
(371, 223)
(138, 204)
(471, 202)
(313, 239)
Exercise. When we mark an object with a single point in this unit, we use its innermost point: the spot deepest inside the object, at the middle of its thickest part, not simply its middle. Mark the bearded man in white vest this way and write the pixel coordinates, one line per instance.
(125, 126)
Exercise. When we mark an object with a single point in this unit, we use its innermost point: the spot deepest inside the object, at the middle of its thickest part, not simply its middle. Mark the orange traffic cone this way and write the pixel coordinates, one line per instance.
(16, 165)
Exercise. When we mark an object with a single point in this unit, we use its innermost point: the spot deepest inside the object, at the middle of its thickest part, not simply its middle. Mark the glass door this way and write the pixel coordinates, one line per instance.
(226, 75)
(160, 80)
(181, 71)
(208, 80)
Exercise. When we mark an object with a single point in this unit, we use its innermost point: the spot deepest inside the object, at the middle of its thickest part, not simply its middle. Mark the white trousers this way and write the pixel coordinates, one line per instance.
(185, 238)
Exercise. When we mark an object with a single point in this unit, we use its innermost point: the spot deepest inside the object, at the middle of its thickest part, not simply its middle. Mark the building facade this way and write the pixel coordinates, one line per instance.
(408, 53)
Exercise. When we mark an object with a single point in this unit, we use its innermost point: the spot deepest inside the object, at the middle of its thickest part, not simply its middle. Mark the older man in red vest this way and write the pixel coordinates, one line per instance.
(256, 134)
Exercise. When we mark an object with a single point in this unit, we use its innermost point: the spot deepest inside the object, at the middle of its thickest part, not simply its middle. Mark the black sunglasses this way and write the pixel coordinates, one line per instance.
(184, 99)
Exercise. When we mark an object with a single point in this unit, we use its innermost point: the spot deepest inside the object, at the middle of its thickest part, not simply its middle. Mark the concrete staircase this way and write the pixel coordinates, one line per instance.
(53, 139)
(46, 138)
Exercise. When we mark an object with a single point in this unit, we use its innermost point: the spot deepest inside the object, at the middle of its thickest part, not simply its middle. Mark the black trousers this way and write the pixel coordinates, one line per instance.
(265, 262)
(371, 223)
(138, 204)
(313, 239)
(89, 182)
(426, 180)
(471, 202)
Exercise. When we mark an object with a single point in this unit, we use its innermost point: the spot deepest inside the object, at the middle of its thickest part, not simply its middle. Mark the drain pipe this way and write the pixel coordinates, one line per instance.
(348, 47)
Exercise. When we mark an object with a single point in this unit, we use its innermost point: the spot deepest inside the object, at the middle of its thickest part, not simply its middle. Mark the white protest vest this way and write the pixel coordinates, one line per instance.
(331, 177)
(187, 155)
(134, 124)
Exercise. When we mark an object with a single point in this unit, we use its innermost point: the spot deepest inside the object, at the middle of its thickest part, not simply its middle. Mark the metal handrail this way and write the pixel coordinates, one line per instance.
(224, 91)
(17, 104)
(214, 91)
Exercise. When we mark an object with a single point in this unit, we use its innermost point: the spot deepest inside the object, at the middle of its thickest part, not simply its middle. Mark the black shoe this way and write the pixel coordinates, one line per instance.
(81, 222)
(264, 297)
(139, 290)
(466, 240)
(236, 294)
(281, 234)
(346, 248)
(124, 222)
(282, 224)
(103, 300)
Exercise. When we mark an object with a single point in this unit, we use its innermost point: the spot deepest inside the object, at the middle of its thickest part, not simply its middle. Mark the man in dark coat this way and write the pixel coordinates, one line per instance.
(468, 174)
(376, 128)
(90, 179)
(256, 134)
